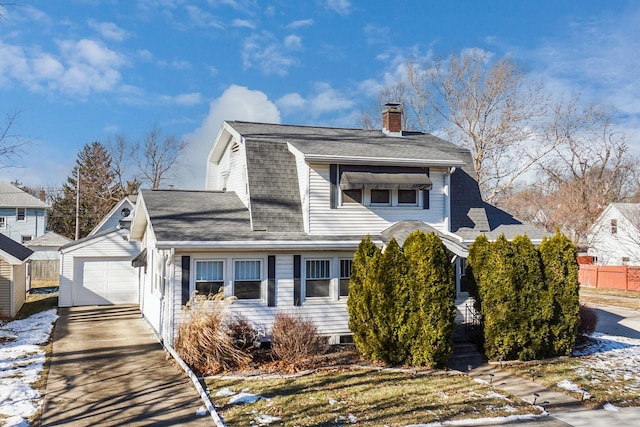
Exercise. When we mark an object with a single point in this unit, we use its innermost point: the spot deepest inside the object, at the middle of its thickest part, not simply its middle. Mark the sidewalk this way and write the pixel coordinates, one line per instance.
(109, 369)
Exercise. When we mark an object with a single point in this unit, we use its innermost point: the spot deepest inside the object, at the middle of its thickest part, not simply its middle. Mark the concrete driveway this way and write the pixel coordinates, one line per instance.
(109, 369)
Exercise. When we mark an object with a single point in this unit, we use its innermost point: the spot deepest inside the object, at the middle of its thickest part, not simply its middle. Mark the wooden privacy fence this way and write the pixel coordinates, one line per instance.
(45, 269)
(610, 277)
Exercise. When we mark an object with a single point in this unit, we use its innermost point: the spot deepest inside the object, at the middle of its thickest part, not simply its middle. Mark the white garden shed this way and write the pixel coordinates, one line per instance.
(97, 270)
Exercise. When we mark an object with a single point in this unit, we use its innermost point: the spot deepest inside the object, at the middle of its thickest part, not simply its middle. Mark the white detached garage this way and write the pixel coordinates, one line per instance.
(97, 270)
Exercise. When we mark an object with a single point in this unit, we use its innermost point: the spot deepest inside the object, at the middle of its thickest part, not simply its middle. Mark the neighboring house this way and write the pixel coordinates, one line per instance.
(45, 261)
(13, 276)
(22, 216)
(97, 270)
(284, 210)
(614, 238)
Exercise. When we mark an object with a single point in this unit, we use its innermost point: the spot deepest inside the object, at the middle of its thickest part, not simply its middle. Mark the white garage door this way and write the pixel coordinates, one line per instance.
(104, 281)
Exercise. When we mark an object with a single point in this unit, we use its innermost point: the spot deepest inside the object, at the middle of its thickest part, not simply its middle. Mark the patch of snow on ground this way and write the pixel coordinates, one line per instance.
(21, 362)
(201, 412)
(266, 419)
(611, 359)
(224, 392)
(244, 397)
(610, 407)
(481, 421)
(568, 385)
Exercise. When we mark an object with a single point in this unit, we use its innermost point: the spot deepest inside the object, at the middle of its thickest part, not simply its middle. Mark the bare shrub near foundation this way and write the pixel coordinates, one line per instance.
(204, 342)
(588, 320)
(294, 340)
(242, 333)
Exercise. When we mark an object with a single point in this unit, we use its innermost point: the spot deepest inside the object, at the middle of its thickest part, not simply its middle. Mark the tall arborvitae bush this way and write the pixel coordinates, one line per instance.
(498, 292)
(363, 274)
(528, 297)
(476, 270)
(561, 276)
(386, 303)
(532, 316)
(429, 312)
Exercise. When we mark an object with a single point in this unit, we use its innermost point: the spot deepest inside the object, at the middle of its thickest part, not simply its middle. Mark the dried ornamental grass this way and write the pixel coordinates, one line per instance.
(203, 340)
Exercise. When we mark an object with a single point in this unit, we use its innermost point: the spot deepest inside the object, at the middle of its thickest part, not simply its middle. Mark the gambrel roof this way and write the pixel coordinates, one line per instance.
(274, 211)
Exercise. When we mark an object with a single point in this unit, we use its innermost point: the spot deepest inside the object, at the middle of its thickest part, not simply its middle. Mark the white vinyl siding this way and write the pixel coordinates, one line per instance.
(353, 218)
(110, 246)
(6, 290)
(237, 179)
(303, 183)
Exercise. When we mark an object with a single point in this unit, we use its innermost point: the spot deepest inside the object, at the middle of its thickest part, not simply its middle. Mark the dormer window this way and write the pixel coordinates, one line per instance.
(381, 197)
(380, 186)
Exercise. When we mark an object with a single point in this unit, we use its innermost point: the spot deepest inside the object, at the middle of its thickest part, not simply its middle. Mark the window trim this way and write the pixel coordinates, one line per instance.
(262, 279)
(195, 273)
(24, 217)
(341, 277)
(404, 204)
(29, 237)
(329, 279)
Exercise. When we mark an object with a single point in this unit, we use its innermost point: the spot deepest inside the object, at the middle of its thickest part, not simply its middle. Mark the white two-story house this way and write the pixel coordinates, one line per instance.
(22, 216)
(284, 210)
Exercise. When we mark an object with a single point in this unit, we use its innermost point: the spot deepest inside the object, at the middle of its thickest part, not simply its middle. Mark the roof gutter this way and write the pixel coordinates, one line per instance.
(379, 161)
(264, 244)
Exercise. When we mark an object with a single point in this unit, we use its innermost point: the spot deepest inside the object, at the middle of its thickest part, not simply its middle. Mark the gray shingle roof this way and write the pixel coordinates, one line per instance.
(273, 187)
(324, 141)
(14, 248)
(49, 239)
(13, 197)
(196, 215)
(210, 216)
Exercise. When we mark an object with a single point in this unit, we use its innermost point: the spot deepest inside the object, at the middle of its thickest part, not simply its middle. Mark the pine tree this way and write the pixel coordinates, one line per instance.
(98, 192)
(561, 275)
(363, 272)
(431, 307)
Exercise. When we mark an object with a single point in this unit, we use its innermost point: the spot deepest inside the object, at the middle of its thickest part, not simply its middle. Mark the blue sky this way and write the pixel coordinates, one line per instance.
(86, 70)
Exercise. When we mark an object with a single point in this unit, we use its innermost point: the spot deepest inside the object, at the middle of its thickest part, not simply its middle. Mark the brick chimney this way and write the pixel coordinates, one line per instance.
(392, 119)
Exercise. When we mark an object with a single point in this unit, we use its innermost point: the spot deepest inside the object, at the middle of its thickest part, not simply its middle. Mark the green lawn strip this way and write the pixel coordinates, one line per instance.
(368, 398)
(602, 385)
(36, 303)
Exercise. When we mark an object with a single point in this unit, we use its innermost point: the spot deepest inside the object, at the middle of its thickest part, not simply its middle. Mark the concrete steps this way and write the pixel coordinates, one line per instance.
(465, 354)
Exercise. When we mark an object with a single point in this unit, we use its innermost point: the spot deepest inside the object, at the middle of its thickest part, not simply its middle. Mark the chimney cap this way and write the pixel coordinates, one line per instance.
(393, 105)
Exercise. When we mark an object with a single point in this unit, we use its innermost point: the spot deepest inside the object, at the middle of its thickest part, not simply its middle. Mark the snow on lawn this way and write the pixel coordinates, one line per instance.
(609, 362)
(21, 362)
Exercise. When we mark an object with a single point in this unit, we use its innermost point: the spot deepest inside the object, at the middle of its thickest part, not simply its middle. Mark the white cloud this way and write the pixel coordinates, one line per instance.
(270, 55)
(324, 99)
(81, 68)
(293, 42)
(291, 102)
(109, 30)
(300, 23)
(341, 7)
(236, 103)
(243, 23)
(183, 99)
(145, 55)
(176, 64)
(200, 18)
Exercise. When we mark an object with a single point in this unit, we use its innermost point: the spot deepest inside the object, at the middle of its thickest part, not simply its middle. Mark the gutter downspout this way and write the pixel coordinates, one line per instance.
(446, 190)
